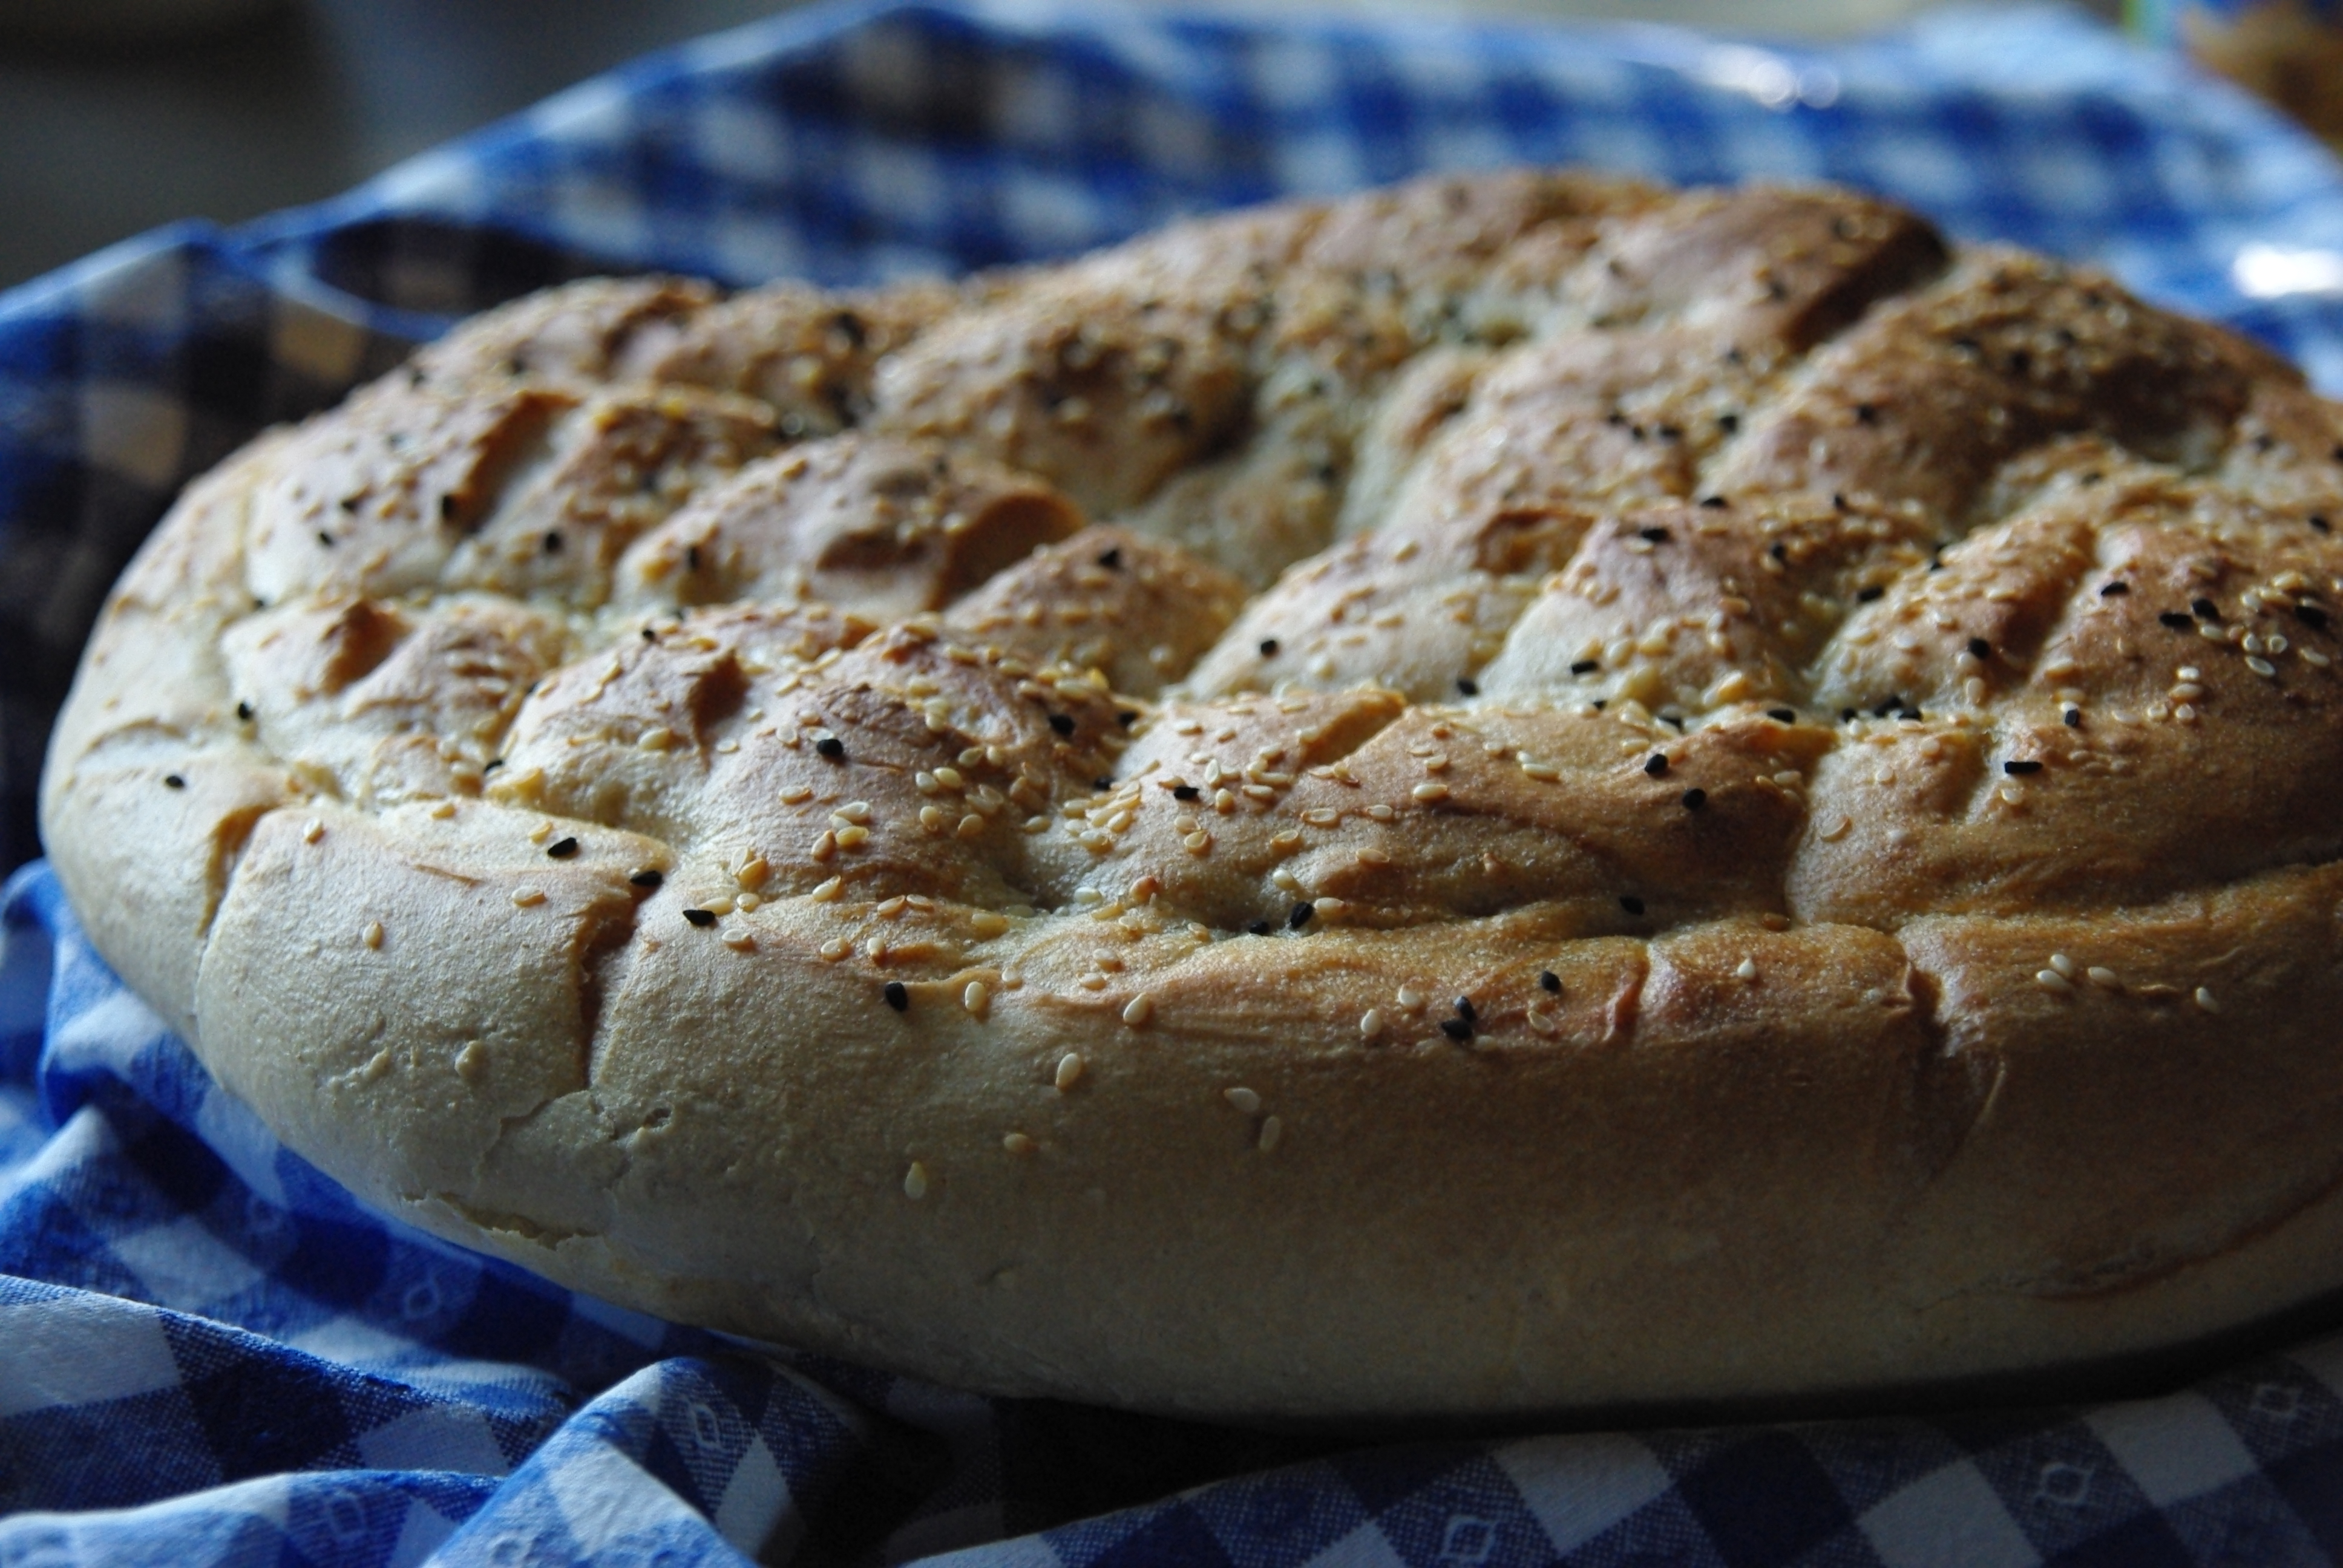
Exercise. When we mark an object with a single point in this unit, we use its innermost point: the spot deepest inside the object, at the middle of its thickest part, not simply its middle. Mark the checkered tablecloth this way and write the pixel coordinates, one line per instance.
(209, 1355)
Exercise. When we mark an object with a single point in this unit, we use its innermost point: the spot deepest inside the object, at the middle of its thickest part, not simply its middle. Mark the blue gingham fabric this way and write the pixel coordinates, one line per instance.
(210, 1356)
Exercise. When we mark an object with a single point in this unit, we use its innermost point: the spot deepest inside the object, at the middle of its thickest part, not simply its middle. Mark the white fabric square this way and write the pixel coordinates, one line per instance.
(184, 1266)
(2173, 1448)
(438, 1437)
(70, 1351)
(1952, 1518)
(1578, 1487)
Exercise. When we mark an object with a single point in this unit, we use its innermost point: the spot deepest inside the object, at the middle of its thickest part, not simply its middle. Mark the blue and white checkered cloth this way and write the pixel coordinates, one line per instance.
(210, 1356)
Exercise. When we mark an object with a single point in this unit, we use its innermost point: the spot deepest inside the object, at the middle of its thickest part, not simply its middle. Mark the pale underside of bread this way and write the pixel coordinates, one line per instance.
(1520, 794)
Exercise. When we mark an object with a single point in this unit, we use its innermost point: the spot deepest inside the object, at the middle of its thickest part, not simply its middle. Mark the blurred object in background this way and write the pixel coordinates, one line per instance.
(2288, 51)
(119, 24)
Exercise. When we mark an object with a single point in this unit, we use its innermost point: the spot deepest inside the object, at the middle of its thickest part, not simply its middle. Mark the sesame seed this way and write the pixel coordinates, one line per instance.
(1017, 1143)
(830, 747)
(2204, 1000)
(647, 878)
(2051, 980)
(1430, 792)
(1410, 999)
(1070, 1067)
(740, 939)
(1655, 764)
(561, 850)
(312, 831)
(372, 935)
(1140, 1008)
(976, 997)
(2261, 666)
(1746, 970)
(700, 917)
(524, 898)
(897, 995)
(1456, 1029)
(2102, 976)
(1371, 1022)
(1694, 799)
(1632, 904)
(829, 890)
(1550, 982)
(1272, 1134)
(915, 1181)
(2064, 965)
(836, 948)
(1244, 1099)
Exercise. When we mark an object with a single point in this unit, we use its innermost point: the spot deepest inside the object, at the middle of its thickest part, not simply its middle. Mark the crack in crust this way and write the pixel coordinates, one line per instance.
(1537, 564)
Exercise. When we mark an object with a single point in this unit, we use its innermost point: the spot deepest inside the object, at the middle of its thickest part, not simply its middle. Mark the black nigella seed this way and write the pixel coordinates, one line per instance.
(492, 765)
(691, 557)
(173, 781)
(446, 505)
(1465, 1010)
(650, 636)
(1846, 715)
(325, 539)
(2206, 608)
(349, 503)
(1777, 552)
(702, 918)
(2111, 590)
(1714, 503)
(1786, 715)
(1866, 414)
(1728, 423)
(1980, 648)
(1585, 665)
(1468, 686)
(831, 747)
(561, 849)
(897, 995)
(1111, 560)
(648, 879)
(1656, 764)
(1653, 535)
(1298, 916)
(1632, 904)
(2177, 619)
(2311, 616)
(552, 544)
(1694, 799)
(1063, 723)
(2074, 718)
(1102, 783)
(1550, 982)
(1456, 1029)
(1259, 928)
(1269, 648)
(244, 709)
(1185, 793)
(1866, 595)
(1838, 501)
(2021, 765)
(1127, 717)
(2320, 524)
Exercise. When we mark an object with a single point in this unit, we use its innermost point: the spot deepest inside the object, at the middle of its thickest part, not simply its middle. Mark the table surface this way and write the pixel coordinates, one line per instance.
(99, 144)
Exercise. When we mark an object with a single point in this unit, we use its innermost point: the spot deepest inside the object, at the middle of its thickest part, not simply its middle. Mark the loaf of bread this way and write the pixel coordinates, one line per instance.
(1515, 794)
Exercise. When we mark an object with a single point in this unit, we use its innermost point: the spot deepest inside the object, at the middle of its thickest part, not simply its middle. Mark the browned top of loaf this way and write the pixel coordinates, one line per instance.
(1492, 541)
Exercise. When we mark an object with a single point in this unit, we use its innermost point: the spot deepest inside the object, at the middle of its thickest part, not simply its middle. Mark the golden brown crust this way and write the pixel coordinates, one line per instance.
(1765, 828)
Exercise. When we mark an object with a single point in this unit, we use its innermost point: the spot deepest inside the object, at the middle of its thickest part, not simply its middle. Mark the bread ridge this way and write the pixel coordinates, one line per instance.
(1518, 1038)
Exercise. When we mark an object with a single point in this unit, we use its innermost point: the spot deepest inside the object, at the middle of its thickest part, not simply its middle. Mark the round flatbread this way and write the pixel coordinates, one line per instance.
(1519, 793)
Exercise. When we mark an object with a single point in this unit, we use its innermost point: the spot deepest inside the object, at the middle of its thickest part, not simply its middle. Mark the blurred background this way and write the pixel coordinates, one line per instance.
(116, 115)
